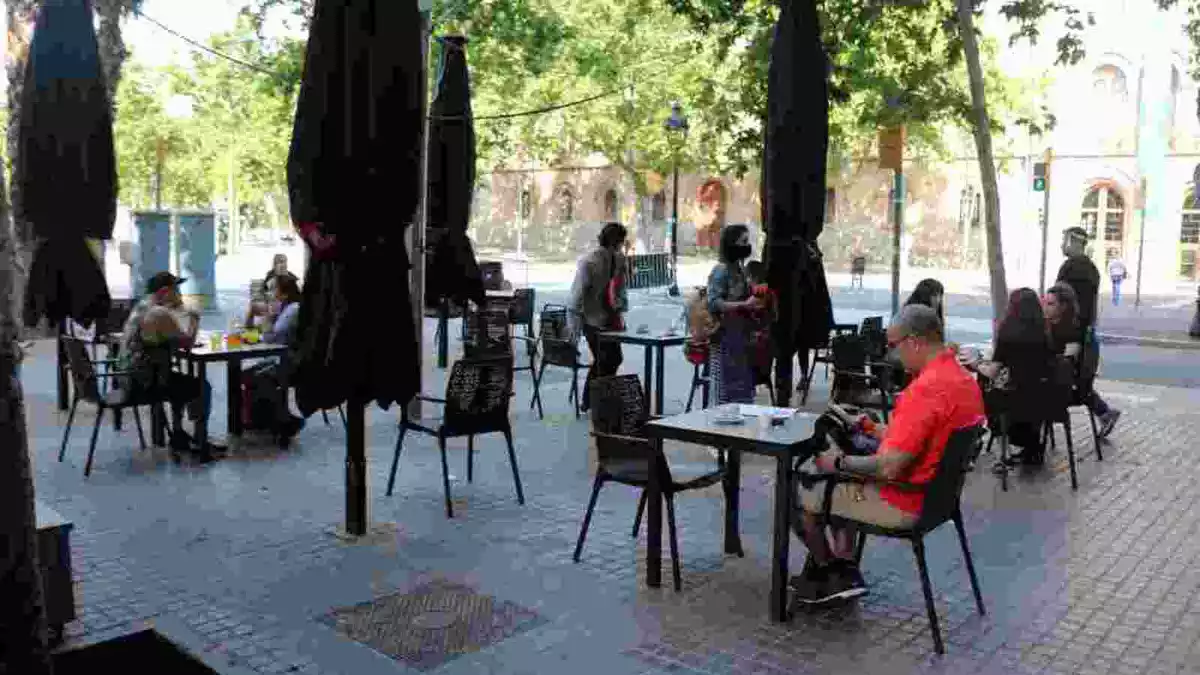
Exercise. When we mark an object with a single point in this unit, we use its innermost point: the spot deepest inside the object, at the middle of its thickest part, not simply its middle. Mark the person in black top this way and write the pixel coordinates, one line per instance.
(932, 294)
(1080, 273)
(1023, 346)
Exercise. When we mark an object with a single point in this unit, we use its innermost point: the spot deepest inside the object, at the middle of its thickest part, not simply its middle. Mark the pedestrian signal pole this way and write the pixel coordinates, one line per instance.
(1041, 183)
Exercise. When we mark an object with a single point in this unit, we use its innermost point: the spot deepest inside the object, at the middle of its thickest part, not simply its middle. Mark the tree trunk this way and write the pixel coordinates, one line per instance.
(23, 647)
(111, 42)
(982, 128)
(20, 15)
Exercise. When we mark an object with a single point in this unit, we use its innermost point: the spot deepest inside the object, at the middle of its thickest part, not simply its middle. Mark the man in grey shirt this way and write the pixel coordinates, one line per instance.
(593, 310)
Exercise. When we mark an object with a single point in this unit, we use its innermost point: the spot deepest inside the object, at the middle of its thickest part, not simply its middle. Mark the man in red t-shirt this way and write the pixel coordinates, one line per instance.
(940, 399)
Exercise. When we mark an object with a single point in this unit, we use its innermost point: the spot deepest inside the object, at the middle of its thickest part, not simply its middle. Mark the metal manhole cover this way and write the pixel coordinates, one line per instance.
(436, 622)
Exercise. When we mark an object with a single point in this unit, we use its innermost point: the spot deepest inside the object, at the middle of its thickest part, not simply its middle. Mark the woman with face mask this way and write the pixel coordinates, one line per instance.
(732, 306)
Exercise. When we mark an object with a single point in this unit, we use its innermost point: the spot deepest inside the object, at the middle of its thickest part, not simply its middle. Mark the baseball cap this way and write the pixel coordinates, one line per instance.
(1076, 233)
(162, 280)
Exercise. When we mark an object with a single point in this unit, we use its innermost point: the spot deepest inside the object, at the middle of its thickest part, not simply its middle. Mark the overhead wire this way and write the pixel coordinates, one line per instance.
(477, 118)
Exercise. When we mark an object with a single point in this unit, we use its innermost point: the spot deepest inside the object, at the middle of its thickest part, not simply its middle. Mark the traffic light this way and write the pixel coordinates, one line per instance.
(1039, 177)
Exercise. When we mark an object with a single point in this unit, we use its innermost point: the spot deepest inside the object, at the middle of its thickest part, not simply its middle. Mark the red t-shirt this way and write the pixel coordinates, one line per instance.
(941, 400)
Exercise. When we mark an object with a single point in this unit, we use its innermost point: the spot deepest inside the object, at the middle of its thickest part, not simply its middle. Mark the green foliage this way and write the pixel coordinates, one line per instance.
(241, 123)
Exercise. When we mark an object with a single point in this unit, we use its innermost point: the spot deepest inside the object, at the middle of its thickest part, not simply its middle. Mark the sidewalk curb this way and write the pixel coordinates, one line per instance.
(1142, 341)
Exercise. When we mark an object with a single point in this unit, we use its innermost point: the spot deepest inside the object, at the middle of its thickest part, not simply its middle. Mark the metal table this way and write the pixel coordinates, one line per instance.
(654, 344)
(780, 442)
(198, 358)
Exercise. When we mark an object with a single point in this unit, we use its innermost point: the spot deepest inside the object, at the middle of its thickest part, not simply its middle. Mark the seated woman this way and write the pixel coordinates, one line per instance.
(268, 382)
(928, 293)
(1023, 348)
(266, 308)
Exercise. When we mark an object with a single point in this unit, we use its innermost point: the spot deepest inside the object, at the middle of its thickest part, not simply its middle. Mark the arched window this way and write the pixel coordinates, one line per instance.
(612, 205)
(1108, 82)
(1104, 205)
(566, 204)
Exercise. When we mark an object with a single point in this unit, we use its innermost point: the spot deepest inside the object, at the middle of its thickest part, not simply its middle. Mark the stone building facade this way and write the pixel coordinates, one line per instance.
(1126, 118)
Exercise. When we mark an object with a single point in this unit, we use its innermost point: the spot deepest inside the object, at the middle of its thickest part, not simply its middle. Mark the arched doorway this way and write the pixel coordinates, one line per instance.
(1102, 215)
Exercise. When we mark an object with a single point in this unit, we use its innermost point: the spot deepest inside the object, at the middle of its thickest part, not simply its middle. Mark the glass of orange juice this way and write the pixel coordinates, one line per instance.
(233, 340)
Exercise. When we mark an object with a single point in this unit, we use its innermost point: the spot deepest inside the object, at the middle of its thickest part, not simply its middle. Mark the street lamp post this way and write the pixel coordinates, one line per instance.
(677, 122)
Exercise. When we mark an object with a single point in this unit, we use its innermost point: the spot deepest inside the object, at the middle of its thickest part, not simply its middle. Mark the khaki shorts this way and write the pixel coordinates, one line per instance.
(854, 501)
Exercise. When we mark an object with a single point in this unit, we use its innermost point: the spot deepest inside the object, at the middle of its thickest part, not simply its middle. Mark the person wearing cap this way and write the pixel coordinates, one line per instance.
(1080, 273)
(157, 325)
(941, 399)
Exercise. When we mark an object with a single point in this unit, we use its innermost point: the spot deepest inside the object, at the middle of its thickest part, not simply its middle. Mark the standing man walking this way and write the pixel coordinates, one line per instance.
(1117, 272)
(598, 303)
(1080, 273)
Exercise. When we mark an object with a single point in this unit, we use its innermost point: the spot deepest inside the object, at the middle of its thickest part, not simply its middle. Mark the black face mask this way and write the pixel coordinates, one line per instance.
(739, 251)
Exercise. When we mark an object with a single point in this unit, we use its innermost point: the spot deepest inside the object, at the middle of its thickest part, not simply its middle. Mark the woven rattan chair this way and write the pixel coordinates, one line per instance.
(855, 382)
(942, 504)
(87, 389)
(560, 349)
(625, 456)
(487, 333)
(476, 403)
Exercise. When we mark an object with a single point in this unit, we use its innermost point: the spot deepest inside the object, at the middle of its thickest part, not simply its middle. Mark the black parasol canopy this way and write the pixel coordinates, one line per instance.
(352, 175)
(453, 271)
(65, 179)
(794, 164)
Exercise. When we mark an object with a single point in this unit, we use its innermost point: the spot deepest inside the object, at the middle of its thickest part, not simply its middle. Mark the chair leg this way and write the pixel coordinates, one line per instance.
(771, 393)
(587, 517)
(396, 456)
(325, 416)
(342, 414)
(537, 391)
(512, 459)
(87, 468)
(1095, 434)
(674, 542)
(1071, 454)
(962, 540)
(445, 476)
(67, 432)
(859, 546)
(919, 551)
(137, 422)
(575, 390)
(637, 518)
(991, 439)
(470, 459)
(1052, 437)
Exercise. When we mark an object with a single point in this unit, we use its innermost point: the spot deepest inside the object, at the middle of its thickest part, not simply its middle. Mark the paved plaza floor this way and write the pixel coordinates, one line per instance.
(244, 554)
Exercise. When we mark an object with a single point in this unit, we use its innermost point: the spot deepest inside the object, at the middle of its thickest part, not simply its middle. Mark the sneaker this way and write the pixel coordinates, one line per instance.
(846, 581)
(811, 587)
(1107, 421)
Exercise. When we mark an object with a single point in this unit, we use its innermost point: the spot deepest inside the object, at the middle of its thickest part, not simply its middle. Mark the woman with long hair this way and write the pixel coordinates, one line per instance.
(732, 304)
(1023, 348)
(1062, 314)
(932, 294)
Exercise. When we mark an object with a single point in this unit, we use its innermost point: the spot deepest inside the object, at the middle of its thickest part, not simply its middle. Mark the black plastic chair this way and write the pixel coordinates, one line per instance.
(823, 354)
(476, 403)
(696, 353)
(520, 309)
(858, 268)
(856, 379)
(487, 334)
(942, 504)
(560, 348)
(625, 456)
(87, 389)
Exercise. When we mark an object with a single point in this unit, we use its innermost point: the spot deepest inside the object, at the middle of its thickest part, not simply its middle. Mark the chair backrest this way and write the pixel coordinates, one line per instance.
(617, 408)
(520, 311)
(849, 353)
(83, 371)
(874, 337)
(560, 346)
(943, 492)
(487, 333)
(477, 396)
(858, 265)
(492, 273)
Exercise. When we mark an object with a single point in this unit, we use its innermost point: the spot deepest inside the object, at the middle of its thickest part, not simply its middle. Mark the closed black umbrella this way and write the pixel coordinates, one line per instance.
(453, 271)
(65, 149)
(352, 178)
(793, 187)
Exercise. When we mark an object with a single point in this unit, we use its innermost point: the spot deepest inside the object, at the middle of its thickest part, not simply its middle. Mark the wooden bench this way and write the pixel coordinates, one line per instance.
(54, 558)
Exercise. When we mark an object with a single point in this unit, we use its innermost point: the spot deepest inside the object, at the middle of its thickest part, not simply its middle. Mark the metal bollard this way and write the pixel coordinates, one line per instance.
(1194, 331)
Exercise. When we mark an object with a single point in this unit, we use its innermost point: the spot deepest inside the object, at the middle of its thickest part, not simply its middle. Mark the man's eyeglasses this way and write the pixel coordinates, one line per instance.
(893, 344)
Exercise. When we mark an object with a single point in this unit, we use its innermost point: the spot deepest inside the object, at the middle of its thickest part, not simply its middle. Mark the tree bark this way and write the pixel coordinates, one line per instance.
(23, 648)
(982, 128)
(111, 42)
(20, 15)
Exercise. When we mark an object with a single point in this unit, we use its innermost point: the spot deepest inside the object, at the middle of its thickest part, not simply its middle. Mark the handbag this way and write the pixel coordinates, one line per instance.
(614, 292)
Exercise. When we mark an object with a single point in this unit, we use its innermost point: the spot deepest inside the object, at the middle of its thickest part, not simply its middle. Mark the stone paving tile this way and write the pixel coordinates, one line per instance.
(1095, 581)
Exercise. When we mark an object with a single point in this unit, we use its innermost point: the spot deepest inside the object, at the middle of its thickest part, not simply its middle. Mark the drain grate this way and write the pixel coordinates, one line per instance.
(432, 624)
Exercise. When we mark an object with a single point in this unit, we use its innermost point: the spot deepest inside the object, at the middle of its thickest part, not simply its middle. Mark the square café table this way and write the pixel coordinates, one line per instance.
(655, 344)
(198, 358)
(782, 442)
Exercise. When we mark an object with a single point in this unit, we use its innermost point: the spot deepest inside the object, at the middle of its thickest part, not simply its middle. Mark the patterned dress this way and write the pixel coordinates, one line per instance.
(731, 363)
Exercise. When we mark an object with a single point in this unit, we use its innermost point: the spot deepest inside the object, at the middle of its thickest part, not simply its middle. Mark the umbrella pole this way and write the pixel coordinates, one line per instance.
(356, 469)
